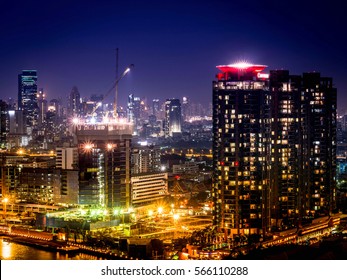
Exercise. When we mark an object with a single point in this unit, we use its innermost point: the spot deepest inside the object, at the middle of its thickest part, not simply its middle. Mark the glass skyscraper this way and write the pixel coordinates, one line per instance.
(173, 117)
(27, 96)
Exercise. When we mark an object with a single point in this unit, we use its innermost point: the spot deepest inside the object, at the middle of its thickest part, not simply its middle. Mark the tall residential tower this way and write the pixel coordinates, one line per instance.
(274, 148)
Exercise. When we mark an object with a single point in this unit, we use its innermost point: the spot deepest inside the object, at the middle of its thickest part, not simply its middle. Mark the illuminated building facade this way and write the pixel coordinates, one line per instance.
(145, 159)
(319, 144)
(17, 130)
(42, 104)
(274, 148)
(241, 115)
(104, 161)
(134, 112)
(286, 174)
(173, 117)
(148, 188)
(4, 126)
(303, 151)
(68, 188)
(27, 96)
(185, 108)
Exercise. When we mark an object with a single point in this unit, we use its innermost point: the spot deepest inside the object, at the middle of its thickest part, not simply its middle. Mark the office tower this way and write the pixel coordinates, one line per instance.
(130, 108)
(68, 188)
(134, 112)
(42, 105)
(3, 123)
(155, 107)
(74, 103)
(343, 121)
(148, 183)
(172, 117)
(241, 103)
(36, 185)
(17, 131)
(104, 163)
(137, 110)
(185, 108)
(27, 96)
(274, 148)
(145, 158)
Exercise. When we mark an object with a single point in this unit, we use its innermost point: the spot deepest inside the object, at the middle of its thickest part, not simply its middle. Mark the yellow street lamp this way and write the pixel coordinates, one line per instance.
(176, 217)
(150, 213)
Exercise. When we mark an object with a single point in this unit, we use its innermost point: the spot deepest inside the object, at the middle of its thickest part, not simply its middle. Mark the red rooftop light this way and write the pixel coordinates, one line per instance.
(241, 66)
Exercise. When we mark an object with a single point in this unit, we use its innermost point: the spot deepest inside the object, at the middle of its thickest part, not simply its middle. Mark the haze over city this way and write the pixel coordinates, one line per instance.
(174, 45)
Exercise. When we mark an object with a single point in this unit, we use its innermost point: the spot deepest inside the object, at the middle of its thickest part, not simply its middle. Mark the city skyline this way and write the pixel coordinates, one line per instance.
(177, 44)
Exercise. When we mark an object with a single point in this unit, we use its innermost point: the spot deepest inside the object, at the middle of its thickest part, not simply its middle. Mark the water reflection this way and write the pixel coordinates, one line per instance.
(5, 250)
(13, 251)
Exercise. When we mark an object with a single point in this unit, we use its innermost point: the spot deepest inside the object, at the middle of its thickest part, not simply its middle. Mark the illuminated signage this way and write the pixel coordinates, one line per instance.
(263, 76)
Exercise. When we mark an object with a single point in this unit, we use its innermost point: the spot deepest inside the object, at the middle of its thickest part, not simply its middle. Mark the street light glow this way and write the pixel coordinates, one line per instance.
(75, 120)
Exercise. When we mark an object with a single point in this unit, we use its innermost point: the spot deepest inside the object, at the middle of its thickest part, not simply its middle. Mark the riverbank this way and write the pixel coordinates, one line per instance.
(34, 242)
(64, 247)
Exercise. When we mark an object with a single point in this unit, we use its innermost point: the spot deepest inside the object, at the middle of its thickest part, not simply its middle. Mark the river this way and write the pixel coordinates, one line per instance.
(13, 251)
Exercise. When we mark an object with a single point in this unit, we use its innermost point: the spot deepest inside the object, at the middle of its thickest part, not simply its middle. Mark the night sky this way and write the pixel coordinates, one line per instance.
(174, 45)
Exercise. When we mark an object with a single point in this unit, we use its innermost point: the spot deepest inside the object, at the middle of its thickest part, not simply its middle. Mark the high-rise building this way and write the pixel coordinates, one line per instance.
(155, 107)
(17, 130)
(145, 159)
(274, 148)
(286, 143)
(74, 105)
(319, 144)
(241, 104)
(303, 152)
(104, 163)
(42, 104)
(27, 96)
(130, 108)
(173, 117)
(4, 126)
(68, 188)
(185, 108)
(134, 112)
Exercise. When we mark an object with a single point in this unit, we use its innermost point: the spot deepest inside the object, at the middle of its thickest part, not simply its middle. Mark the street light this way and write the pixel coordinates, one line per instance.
(150, 213)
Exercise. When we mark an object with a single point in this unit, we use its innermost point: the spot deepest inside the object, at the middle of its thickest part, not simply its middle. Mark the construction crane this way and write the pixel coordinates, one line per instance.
(126, 71)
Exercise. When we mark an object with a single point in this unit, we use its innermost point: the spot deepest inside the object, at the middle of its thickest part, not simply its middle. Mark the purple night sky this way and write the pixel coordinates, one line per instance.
(174, 45)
